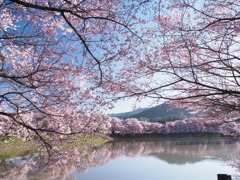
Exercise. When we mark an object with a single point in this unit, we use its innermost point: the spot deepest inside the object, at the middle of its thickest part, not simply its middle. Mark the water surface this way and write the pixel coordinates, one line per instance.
(152, 159)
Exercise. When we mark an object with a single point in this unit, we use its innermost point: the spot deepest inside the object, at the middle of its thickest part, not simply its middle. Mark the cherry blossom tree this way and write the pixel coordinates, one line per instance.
(191, 57)
(56, 58)
(200, 51)
(61, 61)
(115, 126)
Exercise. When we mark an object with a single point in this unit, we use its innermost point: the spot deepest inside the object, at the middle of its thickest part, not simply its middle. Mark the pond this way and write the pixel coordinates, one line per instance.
(151, 159)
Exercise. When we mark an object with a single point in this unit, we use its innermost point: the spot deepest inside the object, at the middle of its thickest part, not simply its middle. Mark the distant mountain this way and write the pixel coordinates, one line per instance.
(160, 113)
(127, 114)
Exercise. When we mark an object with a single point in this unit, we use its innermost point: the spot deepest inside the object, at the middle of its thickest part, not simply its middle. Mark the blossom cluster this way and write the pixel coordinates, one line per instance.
(100, 123)
(194, 125)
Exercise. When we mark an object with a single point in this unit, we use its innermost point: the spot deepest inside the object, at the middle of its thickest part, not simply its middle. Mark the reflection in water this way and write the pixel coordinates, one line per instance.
(174, 151)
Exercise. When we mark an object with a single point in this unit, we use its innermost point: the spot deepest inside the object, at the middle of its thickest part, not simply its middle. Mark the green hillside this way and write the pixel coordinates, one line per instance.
(161, 113)
(127, 114)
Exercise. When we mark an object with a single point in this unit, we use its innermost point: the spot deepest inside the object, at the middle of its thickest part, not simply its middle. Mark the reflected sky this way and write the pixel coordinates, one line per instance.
(154, 159)
(145, 168)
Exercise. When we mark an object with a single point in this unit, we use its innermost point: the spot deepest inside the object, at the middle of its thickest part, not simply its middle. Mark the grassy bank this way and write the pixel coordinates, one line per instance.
(11, 146)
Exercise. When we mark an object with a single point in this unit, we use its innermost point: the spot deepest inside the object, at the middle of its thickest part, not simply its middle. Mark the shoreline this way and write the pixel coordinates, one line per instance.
(171, 135)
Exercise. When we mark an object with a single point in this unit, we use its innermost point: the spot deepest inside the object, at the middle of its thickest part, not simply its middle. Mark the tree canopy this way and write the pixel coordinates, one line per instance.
(196, 47)
(54, 56)
(60, 61)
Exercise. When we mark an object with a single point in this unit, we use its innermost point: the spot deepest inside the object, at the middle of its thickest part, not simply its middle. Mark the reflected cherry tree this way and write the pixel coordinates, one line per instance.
(60, 165)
